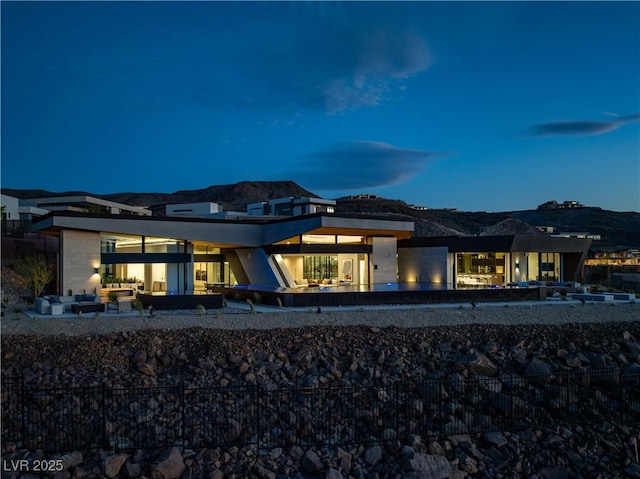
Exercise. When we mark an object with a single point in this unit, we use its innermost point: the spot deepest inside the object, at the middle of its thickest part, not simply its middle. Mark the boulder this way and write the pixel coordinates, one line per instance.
(429, 466)
(170, 465)
(477, 363)
(112, 464)
(311, 462)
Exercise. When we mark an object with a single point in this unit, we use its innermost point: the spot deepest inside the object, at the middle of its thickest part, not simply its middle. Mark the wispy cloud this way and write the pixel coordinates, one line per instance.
(561, 128)
(363, 164)
(328, 66)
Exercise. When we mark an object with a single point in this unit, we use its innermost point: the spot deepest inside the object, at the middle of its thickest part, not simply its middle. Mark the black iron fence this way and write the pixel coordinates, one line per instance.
(81, 418)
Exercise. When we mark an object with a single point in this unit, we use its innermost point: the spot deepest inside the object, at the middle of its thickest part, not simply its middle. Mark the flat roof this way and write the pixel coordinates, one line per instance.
(505, 243)
(223, 232)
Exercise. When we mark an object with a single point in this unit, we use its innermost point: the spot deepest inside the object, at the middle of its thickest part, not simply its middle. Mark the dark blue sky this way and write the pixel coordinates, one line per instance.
(477, 106)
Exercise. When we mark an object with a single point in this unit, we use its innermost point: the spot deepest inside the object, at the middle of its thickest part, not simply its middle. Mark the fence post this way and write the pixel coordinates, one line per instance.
(397, 406)
(23, 421)
(258, 396)
(105, 441)
(440, 408)
(327, 404)
(183, 413)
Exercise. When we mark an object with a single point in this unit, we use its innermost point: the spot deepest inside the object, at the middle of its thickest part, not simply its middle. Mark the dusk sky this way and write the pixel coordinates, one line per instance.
(476, 106)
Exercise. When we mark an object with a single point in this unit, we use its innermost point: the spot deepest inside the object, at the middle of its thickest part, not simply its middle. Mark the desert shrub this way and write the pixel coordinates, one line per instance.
(201, 310)
(253, 307)
(36, 272)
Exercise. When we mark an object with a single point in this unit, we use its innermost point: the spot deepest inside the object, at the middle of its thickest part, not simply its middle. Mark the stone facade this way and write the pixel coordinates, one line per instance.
(80, 255)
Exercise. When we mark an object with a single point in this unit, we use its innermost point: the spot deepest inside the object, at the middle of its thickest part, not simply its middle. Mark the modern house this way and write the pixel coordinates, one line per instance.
(491, 260)
(19, 213)
(184, 255)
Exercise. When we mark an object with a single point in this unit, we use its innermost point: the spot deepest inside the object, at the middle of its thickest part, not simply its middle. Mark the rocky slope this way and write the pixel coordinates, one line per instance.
(328, 356)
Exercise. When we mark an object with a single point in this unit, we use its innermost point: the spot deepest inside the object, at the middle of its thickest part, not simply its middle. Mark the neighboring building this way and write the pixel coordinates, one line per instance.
(614, 256)
(85, 204)
(553, 205)
(363, 196)
(18, 214)
(577, 234)
(193, 209)
(550, 230)
(291, 206)
(491, 260)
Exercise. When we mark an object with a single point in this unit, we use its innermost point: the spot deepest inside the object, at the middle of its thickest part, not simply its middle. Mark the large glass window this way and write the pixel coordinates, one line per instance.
(318, 239)
(480, 269)
(320, 267)
(549, 266)
(121, 244)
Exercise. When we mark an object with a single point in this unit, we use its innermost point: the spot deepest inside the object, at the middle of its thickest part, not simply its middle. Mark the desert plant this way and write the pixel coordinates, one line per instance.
(96, 315)
(253, 307)
(138, 307)
(200, 310)
(36, 273)
(279, 303)
(257, 298)
(112, 297)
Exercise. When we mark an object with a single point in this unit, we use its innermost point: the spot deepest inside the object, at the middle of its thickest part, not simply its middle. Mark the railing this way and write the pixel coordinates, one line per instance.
(81, 418)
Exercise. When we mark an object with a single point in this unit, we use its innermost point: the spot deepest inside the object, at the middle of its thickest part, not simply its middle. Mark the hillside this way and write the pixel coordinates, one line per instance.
(231, 197)
(617, 229)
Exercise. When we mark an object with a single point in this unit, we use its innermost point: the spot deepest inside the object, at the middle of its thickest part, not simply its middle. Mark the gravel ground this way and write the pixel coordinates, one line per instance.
(238, 317)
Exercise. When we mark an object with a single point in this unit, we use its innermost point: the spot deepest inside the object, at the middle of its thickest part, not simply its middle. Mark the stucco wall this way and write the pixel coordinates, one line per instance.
(383, 260)
(80, 254)
(424, 265)
(255, 263)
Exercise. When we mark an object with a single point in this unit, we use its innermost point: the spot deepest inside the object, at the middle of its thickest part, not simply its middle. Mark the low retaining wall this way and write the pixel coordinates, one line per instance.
(182, 301)
(357, 298)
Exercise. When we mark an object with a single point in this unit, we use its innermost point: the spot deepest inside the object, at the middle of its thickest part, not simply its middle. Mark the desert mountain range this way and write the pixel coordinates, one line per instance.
(617, 229)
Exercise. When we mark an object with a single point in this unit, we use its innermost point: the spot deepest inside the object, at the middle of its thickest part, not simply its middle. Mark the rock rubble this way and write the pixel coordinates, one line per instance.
(484, 368)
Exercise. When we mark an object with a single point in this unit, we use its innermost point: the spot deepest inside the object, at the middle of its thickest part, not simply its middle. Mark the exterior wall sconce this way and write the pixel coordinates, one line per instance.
(517, 265)
(96, 270)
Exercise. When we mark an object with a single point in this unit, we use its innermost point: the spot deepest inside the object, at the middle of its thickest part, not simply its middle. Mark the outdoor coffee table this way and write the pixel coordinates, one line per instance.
(87, 308)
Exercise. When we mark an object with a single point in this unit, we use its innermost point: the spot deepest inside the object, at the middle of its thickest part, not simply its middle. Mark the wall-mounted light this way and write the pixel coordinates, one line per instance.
(517, 265)
(96, 270)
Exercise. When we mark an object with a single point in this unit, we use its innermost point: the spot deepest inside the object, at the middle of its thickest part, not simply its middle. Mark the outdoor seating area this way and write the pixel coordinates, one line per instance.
(56, 305)
(314, 283)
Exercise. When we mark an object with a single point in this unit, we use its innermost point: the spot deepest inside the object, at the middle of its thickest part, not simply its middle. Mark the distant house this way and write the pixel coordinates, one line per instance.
(554, 205)
(291, 206)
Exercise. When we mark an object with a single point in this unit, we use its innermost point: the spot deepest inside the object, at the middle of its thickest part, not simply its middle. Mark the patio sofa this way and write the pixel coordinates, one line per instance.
(313, 283)
(63, 304)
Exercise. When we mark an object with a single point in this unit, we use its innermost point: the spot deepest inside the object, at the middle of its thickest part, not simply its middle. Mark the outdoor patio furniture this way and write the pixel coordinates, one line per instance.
(86, 308)
(122, 306)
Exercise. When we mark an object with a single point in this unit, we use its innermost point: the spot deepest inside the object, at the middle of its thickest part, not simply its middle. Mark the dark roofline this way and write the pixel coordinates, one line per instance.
(515, 243)
(195, 219)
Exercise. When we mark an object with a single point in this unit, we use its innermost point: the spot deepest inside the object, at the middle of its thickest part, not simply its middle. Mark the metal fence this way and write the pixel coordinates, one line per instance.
(120, 419)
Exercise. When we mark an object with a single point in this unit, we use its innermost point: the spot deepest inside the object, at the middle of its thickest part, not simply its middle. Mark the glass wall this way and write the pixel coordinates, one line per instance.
(549, 266)
(480, 269)
(320, 267)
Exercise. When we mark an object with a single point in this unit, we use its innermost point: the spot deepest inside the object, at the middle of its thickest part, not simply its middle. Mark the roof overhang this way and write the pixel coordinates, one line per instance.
(218, 232)
(335, 225)
(505, 243)
(222, 233)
